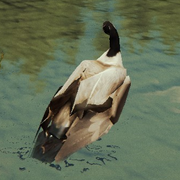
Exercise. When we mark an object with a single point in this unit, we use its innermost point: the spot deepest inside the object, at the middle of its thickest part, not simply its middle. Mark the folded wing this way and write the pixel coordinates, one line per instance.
(94, 92)
(81, 111)
(93, 125)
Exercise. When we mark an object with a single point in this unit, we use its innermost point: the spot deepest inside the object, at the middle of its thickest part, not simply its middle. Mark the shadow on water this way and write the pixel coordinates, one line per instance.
(91, 155)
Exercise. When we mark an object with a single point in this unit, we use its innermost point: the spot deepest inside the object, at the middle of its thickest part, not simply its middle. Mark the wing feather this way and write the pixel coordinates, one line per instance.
(93, 125)
(96, 90)
(87, 130)
(96, 94)
(87, 68)
(68, 91)
(119, 99)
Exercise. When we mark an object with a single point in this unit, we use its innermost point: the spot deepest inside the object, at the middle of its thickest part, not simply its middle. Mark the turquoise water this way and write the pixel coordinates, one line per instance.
(41, 43)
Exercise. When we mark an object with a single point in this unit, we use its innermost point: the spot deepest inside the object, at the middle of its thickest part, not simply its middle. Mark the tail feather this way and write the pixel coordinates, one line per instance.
(46, 148)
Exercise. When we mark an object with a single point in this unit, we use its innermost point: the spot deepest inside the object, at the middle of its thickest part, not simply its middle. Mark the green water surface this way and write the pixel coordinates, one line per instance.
(41, 43)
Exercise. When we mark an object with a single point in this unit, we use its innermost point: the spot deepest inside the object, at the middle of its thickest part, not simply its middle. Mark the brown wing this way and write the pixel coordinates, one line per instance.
(93, 125)
(100, 109)
(87, 130)
(96, 90)
(67, 92)
(119, 99)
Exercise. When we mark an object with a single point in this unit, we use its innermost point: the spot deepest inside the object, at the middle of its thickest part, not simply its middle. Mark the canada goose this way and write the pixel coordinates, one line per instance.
(86, 106)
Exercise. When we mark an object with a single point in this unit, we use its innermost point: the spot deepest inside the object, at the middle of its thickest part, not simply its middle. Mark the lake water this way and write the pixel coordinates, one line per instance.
(41, 43)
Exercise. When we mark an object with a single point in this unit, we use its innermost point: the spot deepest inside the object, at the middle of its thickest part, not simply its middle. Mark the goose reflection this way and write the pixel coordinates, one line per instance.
(86, 106)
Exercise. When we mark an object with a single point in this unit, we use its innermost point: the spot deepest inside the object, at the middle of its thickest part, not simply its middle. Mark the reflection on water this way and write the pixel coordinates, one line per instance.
(94, 155)
(30, 31)
(141, 18)
(41, 42)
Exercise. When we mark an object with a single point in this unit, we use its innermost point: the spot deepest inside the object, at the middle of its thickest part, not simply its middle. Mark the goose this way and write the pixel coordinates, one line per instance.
(86, 106)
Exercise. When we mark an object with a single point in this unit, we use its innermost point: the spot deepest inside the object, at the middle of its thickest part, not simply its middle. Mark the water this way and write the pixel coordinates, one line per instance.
(41, 42)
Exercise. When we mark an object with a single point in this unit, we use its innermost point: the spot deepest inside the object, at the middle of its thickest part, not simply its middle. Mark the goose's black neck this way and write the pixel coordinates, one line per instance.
(113, 38)
(114, 43)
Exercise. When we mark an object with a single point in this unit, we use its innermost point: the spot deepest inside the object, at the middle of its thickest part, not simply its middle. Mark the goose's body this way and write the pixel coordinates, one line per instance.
(86, 106)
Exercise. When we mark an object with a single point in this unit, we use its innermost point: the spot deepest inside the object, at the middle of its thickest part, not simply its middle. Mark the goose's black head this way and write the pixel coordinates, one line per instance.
(114, 38)
(107, 27)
